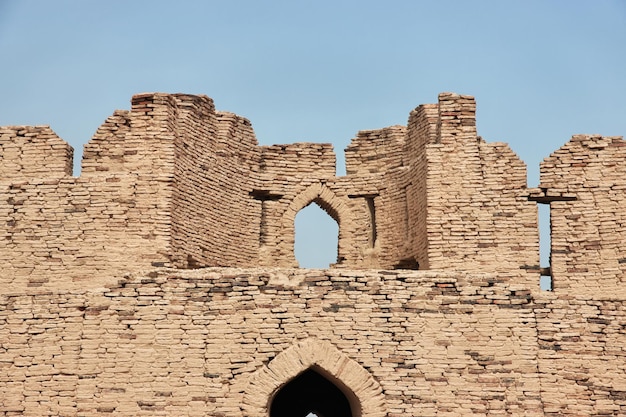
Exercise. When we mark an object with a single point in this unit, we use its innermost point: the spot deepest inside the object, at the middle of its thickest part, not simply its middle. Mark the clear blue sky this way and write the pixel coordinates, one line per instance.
(319, 71)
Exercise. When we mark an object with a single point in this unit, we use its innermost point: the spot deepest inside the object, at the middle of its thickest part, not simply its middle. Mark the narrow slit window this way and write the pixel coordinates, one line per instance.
(372, 213)
(406, 212)
(545, 251)
(263, 228)
(264, 197)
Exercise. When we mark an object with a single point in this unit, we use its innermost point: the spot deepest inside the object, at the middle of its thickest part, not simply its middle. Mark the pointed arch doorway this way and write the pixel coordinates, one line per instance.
(310, 393)
(313, 364)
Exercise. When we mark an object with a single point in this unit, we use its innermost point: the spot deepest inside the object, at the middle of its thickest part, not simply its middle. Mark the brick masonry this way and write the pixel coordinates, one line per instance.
(162, 282)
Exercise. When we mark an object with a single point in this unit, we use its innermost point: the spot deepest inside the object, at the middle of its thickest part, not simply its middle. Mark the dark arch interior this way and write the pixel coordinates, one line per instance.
(307, 393)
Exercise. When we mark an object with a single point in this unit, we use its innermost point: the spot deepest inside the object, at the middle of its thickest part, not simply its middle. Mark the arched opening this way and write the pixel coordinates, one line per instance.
(316, 238)
(363, 393)
(310, 393)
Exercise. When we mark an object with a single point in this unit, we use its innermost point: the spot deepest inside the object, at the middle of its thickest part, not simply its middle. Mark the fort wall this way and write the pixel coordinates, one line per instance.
(32, 152)
(584, 182)
(193, 342)
(221, 322)
(215, 221)
(478, 214)
(114, 218)
(74, 232)
(221, 341)
(432, 195)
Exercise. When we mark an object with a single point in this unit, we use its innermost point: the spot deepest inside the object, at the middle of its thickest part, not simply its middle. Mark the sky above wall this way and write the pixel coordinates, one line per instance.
(319, 71)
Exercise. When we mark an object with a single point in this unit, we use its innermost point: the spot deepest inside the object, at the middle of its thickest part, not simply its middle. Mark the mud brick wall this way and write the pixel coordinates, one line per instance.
(214, 217)
(422, 130)
(224, 341)
(290, 177)
(364, 203)
(374, 151)
(69, 232)
(63, 231)
(303, 159)
(294, 176)
(174, 185)
(377, 158)
(582, 354)
(213, 342)
(33, 151)
(585, 184)
(478, 214)
(139, 140)
(430, 196)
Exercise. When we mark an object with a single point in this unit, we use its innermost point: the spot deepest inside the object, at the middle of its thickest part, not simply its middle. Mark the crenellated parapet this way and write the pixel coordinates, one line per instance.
(584, 182)
(33, 152)
(174, 182)
(160, 280)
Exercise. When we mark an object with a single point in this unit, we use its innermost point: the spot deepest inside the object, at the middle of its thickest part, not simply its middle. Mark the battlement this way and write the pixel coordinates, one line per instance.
(585, 184)
(33, 152)
(162, 280)
(173, 182)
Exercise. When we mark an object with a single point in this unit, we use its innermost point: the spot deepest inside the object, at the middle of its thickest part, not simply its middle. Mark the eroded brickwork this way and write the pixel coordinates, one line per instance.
(585, 184)
(174, 187)
(194, 343)
(175, 182)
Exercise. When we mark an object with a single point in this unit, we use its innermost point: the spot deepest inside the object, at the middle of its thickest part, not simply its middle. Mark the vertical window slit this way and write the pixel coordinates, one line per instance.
(406, 211)
(545, 247)
(263, 228)
(372, 213)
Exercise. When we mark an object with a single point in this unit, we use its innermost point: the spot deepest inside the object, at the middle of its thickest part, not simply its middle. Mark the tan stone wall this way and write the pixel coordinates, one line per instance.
(202, 342)
(174, 183)
(139, 140)
(290, 178)
(585, 183)
(379, 158)
(582, 354)
(478, 214)
(33, 152)
(67, 231)
(62, 231)
(376, 151)
(430, 196)
(224, 341)
(215, 220)
(422, 130)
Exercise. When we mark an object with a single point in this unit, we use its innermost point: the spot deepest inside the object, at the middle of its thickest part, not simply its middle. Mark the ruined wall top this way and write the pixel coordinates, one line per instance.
(174, 182)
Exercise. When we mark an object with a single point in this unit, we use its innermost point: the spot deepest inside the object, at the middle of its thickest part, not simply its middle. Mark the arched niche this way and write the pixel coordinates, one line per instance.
(311, 359)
